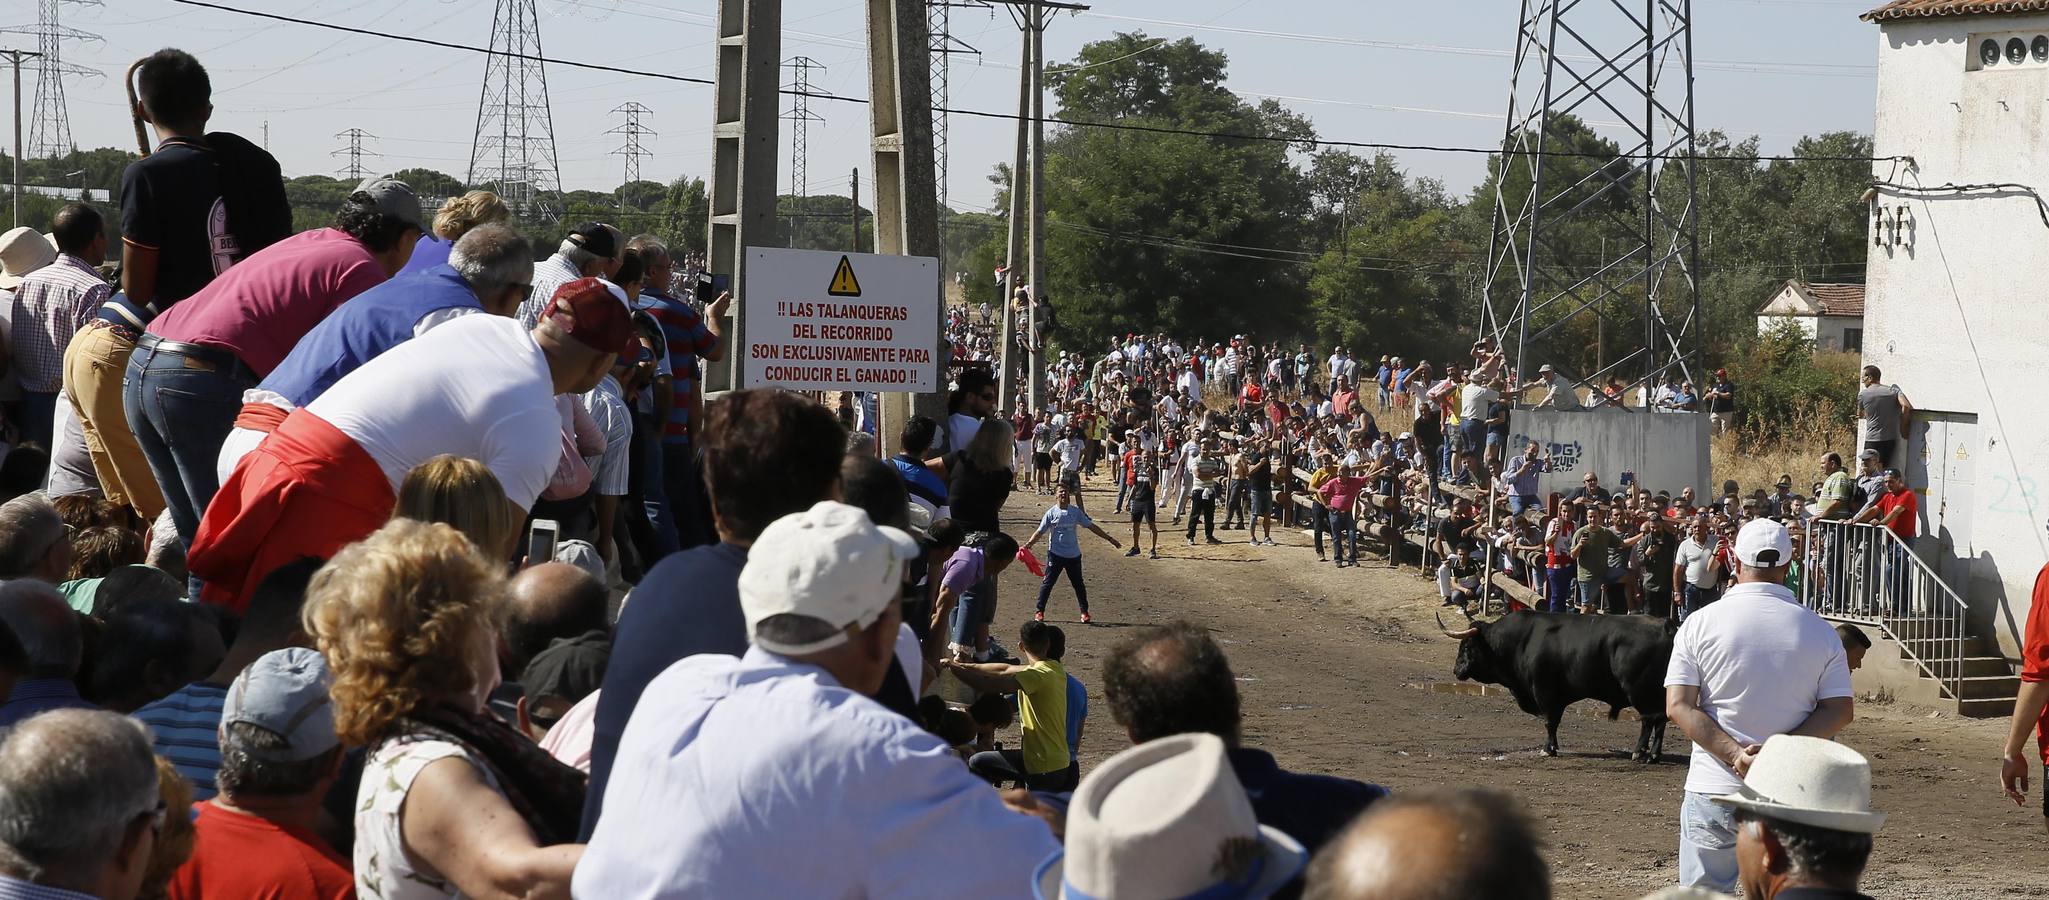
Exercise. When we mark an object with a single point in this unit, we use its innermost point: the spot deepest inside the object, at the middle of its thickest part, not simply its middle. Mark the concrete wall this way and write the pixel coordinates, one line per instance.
(1954, 312)
(1667, 451)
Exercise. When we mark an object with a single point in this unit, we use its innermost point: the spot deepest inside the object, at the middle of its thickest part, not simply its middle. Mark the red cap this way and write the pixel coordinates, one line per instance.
(588, 310)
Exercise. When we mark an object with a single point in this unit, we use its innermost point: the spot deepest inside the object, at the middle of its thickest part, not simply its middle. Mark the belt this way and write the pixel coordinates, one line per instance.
(225, 361)
(122, 331)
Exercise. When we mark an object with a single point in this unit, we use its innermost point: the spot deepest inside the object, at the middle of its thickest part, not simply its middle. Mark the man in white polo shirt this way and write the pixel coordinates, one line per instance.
(1752, 665)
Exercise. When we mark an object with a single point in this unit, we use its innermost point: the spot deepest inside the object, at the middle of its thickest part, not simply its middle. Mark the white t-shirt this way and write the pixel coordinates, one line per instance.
(476, 387)
(1473, 401)
(1069, 450)
(1762, 663)
(1698, 561)
(963, 428)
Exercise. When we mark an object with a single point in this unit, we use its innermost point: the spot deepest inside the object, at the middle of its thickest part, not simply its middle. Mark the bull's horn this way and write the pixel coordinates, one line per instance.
(1455, 635)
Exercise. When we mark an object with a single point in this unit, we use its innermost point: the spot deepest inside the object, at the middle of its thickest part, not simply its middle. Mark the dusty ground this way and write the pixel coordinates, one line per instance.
(1336, 666)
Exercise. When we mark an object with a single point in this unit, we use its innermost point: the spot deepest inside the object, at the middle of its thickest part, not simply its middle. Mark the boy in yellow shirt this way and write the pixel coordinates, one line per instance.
(1042, 762)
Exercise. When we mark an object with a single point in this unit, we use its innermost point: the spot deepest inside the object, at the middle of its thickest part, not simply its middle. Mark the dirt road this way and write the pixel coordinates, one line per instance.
(1342, 671)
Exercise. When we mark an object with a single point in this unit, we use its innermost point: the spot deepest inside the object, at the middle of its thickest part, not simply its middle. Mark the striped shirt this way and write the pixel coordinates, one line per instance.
(549, 276)
(16, 889)
(688, 339)
(185, 729)
(52, 303)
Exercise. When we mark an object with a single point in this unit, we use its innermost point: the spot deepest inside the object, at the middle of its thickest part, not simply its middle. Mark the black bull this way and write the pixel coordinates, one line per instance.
(1550, 661)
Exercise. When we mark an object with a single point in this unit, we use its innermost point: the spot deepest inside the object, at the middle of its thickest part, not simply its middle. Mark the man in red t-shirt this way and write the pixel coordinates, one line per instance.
(1897, 509)
(279, 757)
(2033, 699)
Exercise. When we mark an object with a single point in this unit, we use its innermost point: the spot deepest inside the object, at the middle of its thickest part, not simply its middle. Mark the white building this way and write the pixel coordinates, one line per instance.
(1956, 313)
(1831, 315)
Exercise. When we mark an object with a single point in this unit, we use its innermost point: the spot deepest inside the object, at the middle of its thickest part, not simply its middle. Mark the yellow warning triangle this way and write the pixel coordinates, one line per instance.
(843, 282)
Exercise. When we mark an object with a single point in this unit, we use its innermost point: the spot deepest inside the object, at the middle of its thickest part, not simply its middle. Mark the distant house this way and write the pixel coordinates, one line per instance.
(1832, 315)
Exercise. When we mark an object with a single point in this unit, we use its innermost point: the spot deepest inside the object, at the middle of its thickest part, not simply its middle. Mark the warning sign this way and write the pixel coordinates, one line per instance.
(820, 321)
(844, 284)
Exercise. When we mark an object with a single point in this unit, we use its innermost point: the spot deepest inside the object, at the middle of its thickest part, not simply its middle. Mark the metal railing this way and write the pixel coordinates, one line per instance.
(1867, 574)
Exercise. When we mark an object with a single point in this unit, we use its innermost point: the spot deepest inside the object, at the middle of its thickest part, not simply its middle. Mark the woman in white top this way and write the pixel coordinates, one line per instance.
(453, 803)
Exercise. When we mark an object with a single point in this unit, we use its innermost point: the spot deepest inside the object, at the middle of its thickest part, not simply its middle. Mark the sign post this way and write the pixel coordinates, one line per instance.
(823, 321)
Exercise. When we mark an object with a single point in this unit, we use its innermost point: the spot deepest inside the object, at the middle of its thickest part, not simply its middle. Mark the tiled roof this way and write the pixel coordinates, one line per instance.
(1839, 299)
(1928, 9)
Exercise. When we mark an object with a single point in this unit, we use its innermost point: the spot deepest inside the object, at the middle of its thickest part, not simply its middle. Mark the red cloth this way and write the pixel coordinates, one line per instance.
(239, 855)
(260, 417)
(2035, 651)
(307, 490)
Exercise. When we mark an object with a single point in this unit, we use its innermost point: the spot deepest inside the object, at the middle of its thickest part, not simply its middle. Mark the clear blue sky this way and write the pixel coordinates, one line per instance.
(1775, 68)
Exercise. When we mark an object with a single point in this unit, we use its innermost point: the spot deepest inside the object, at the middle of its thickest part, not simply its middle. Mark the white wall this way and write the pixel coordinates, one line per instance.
(1955, 311)
(1807, 324)
(1666, 451)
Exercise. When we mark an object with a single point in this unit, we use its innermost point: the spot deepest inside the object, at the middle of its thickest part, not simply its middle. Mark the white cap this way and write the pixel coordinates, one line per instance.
(1764, 543)
(829, 563)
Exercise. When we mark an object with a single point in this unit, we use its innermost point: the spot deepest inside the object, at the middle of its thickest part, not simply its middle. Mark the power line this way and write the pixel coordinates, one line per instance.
(354, 152)
(632, 131)
(1306, 141)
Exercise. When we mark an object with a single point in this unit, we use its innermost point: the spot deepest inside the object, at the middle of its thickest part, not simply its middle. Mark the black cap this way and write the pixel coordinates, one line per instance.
(596, 238)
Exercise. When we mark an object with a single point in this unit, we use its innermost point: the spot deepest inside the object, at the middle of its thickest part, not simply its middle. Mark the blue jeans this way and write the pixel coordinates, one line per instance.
(977, 606)
(39, 419)
(1707, 844)
(1559, 580)
(654, 496)
(181, 410)
(683, 485)
(1341, 533)
(1519, 503)
(1319, 525)
(1056, 564)
(1590, 593)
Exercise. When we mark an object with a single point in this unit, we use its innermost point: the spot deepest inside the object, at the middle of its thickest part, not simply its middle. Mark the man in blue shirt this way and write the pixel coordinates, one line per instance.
(1063, 551)
(925, 486)
(767, 454)
(1521, 477)
(1182, 662)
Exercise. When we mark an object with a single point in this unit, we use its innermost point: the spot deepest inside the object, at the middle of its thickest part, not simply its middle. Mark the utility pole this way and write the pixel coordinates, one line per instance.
(266, 134)
(15, 57)
(632, 131)
(1013, 259)
(1030, 164)
(801, 117)
(855, 211)
(742, 186)
(50, 133)
(355, 152)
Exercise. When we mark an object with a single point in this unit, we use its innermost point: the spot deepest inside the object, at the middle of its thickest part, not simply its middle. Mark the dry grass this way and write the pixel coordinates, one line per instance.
(1754, 461)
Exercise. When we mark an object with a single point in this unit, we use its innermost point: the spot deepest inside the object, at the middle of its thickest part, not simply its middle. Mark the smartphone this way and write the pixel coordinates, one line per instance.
(1628, 478)
(540, 541)
(705, 292)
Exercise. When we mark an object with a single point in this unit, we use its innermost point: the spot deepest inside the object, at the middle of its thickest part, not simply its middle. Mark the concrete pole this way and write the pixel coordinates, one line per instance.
(1009, 357)
(743, 184)
(854, 213)
(17, 138)
(906, 186)
(1037, 372)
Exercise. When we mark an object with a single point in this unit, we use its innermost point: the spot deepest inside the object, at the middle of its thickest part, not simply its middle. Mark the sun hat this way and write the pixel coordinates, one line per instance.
(23, 250)
(828, 563)
(1809, 781)
(1764, 543)
(284, 692)
(1167, 818)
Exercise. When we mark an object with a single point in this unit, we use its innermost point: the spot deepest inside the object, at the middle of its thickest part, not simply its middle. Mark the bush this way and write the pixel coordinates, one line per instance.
(1784, 388)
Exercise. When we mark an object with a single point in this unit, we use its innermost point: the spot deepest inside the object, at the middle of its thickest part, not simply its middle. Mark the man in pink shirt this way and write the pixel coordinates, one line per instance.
(1340, 495)
(185, 380)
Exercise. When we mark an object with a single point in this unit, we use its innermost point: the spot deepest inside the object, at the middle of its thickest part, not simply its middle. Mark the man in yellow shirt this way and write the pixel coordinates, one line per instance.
(1042, 762)
(1326, 469)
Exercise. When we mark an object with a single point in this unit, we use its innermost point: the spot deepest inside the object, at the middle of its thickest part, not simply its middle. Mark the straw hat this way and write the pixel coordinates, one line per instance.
(1167, 818)
(1809, 781)
(23, 250)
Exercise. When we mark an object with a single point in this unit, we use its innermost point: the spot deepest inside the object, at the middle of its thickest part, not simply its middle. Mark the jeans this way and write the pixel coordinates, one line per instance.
(977, 606)
(181, 409)
(1240, 495)
(1707, 844)
(1520, 503)
(1343, 532)
(1123, 490)
(1696, 598)
(654, 491)
(1590, 593)
(1055, 564)
(683, 485)
(1560, 580)
(1319, 525)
